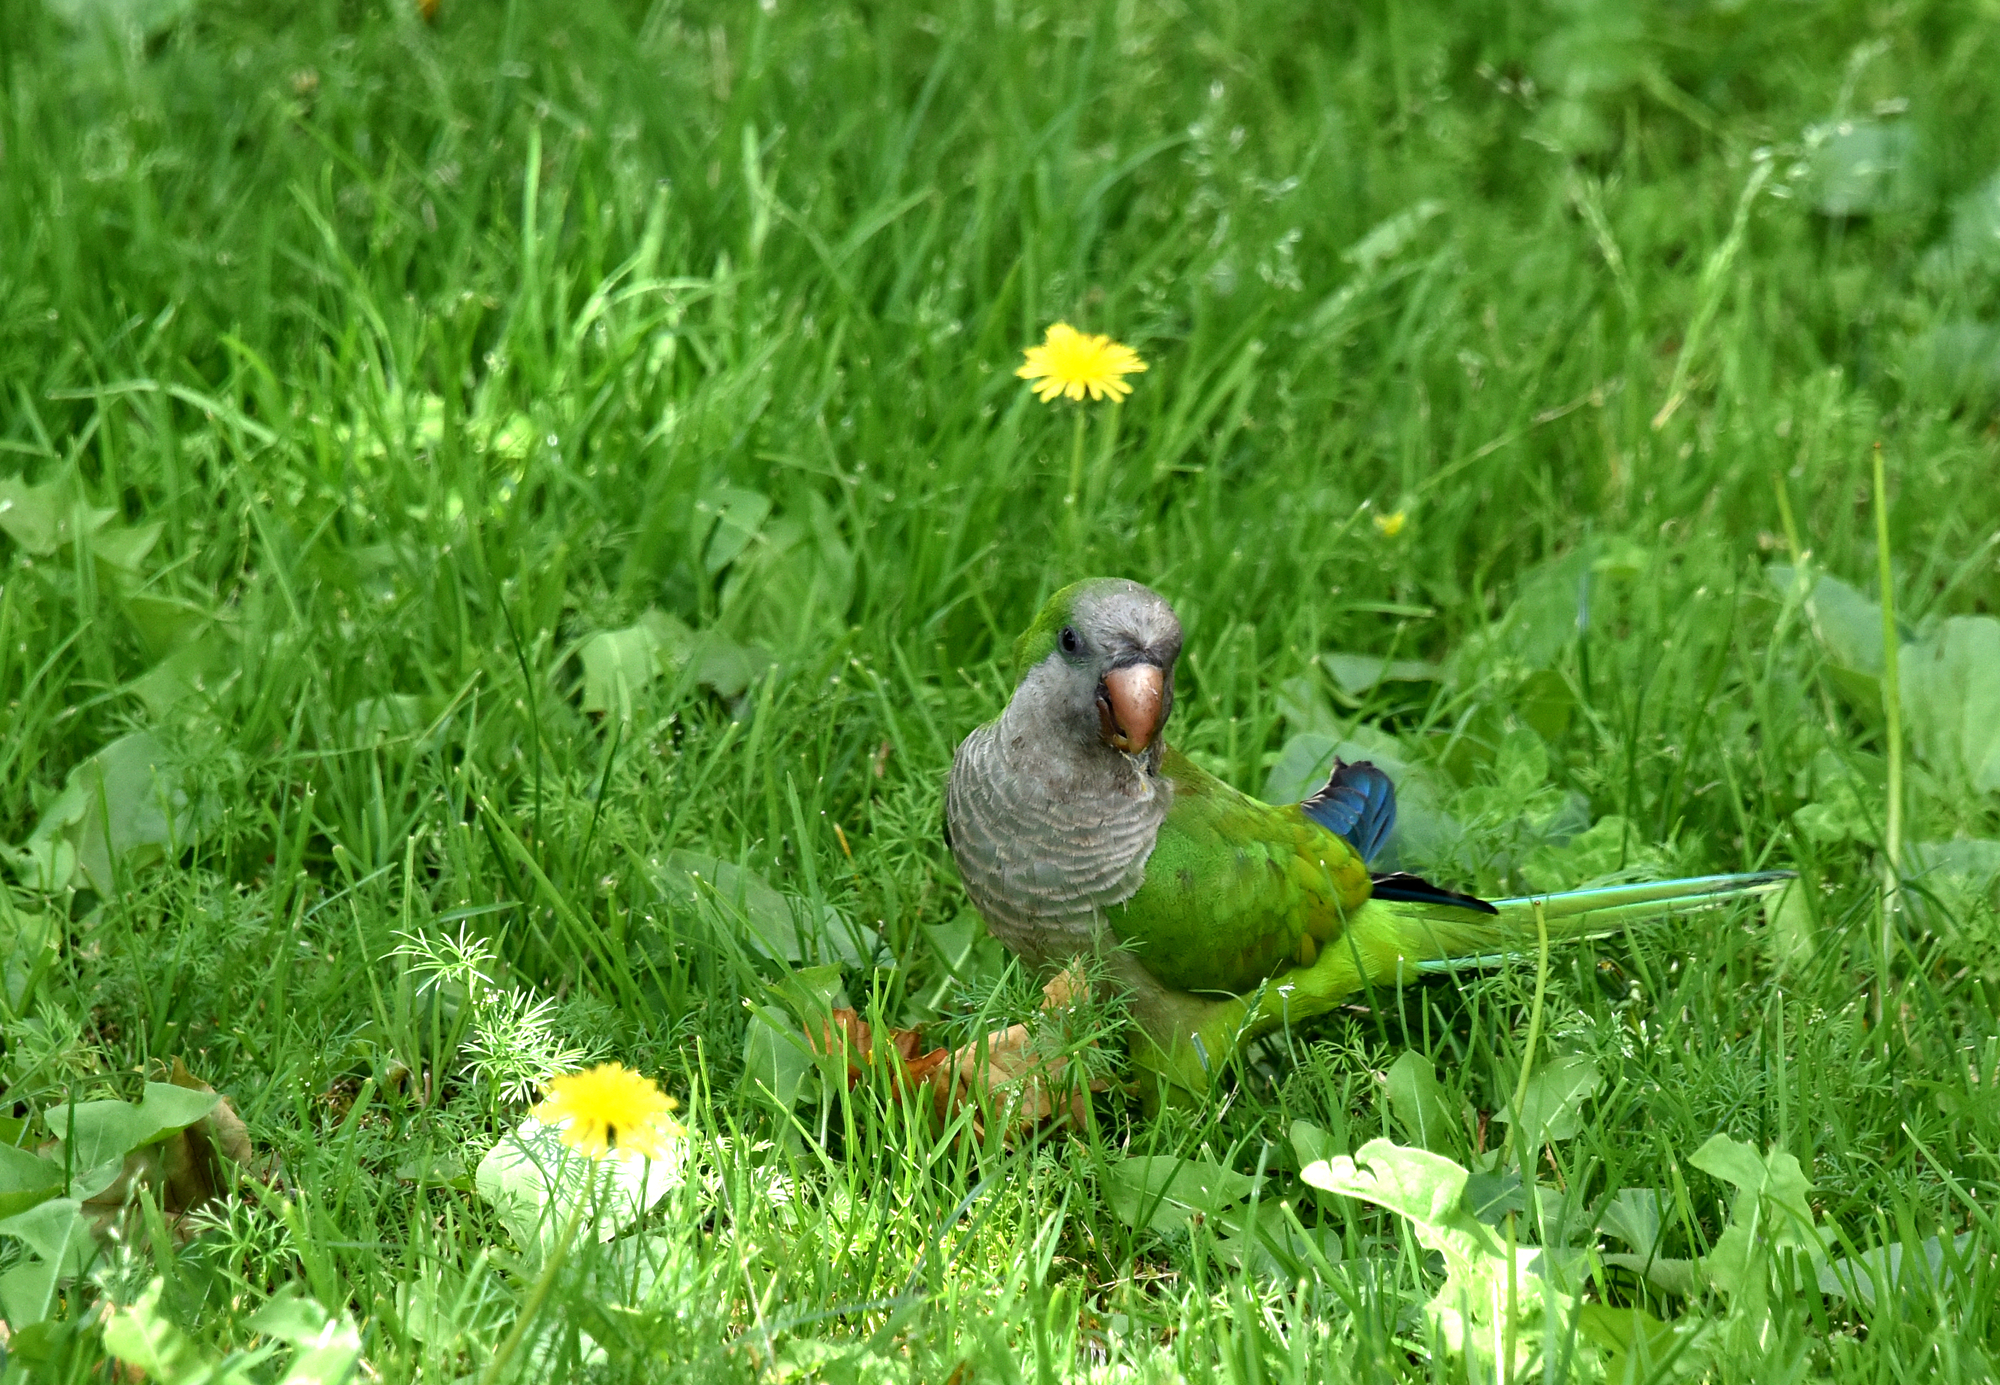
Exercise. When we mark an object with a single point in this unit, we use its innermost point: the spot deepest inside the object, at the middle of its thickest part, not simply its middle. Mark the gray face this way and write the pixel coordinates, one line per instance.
(1109, 684)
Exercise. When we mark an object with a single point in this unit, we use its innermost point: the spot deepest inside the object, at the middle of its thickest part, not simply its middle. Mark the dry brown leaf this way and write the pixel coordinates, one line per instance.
(225, 1127)
(1003, 1074)
(1006, 1074)
(851, 1035)
(190, 1167)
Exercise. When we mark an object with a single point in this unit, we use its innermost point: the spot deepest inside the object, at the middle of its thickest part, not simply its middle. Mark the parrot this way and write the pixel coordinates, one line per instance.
(1079, 833)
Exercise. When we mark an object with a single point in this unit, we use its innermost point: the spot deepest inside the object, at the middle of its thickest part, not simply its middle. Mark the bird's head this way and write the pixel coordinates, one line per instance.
(1098, 664)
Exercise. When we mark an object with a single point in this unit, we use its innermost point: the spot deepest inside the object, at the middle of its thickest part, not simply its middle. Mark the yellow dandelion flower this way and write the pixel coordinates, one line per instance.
(1388, 526)
(610, 1106)
(1069, 363)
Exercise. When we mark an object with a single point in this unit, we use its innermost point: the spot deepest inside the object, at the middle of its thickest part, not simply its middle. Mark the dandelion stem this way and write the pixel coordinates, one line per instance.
(1073, 497)
(537, 1296)
(1892, 714)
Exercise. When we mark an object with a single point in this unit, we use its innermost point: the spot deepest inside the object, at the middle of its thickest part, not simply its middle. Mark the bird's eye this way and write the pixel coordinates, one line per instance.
(1070, 643)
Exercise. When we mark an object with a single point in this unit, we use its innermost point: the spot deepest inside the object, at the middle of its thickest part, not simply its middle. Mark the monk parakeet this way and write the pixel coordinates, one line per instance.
(1079, 831)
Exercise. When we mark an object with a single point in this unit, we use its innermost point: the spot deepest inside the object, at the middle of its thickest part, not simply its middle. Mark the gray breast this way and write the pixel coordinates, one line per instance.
(1045, 848)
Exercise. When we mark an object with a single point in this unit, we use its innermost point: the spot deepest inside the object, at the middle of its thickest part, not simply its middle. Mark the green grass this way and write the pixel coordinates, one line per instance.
(432, 351)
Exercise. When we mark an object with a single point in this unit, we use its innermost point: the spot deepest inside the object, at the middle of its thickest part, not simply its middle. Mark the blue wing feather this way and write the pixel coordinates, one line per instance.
(1358, 803)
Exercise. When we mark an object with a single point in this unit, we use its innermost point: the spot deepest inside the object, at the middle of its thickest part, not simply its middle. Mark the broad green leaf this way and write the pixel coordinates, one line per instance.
(739, 896)
(166, 623)
(194, 669)
(1633, 1216)
(809, 993)
(1975, 219)
(1302, 703)
(1521, 767)
(1884, 1271)
(290, 1317)
(1777, 1176)
(1602, 851)
(1956, 885)
(791, 588)
(27, 942)
(453, 1310)
(1771, 1211)
(1848, 624)
(1732, 1161)
(144, 1338)
(1549, 609)
(1847, 798)
(1422, 1187)
(723, 665)
(964, 946)
(1161, 1193)
(1679, 1277)
(1732, 1263)
(777, 1058)
(1594, 50)
(1301, 767)
(125, 547)
(1357, 673)
(1951, 695)
(1313, 1144)
(535, 1182)
(1636, 1344)
(1470, 1308)
(42, 519)
(106, 1131)
(767, 923)
(59, 1236)
(26, 1179)
(1419, 1102)
(1489, 1197)
(329, 1345)
(728, 517)
(1552, 1107)
(1273, 1244)
(1423, 830)
(124, 808)
(373, 720)
(1974, 859)
(617, 663)
(1789, 926)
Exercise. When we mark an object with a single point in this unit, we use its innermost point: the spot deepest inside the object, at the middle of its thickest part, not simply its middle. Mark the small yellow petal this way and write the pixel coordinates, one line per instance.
(610, 1107)
(1070, 364)
(1388, 526)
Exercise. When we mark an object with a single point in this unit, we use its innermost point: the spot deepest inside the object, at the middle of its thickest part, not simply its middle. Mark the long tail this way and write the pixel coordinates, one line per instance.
(1406, 931)
(1457, 939)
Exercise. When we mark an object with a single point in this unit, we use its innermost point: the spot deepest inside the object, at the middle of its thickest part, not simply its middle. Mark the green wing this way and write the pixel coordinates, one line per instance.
(1236, 890)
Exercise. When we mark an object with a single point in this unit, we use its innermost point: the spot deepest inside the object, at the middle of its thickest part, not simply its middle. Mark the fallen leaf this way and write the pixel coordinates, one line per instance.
(186, 1168)
(1008, 1074)
(1004, 1073)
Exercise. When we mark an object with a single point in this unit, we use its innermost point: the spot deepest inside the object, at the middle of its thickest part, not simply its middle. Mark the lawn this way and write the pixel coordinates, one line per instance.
(505, 518)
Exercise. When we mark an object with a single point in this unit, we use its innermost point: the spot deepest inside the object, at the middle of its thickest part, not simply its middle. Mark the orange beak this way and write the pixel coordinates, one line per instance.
(1130, 703)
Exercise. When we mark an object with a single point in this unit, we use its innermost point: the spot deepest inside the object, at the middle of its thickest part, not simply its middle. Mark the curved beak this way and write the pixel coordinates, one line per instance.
(1131, 702)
